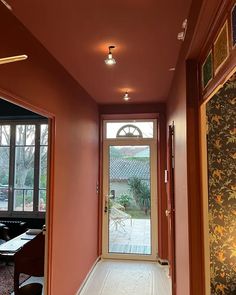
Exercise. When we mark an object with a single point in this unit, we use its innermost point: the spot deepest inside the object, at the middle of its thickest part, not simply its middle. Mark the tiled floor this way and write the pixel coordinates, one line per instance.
(127, 278)
(130, 237)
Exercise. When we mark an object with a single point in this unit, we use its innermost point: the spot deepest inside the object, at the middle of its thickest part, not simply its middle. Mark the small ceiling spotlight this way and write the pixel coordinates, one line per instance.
(110, 60)
(126, 96)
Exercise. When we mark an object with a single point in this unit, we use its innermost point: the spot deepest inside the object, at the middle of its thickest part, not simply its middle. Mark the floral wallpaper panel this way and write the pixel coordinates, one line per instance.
(221, 141)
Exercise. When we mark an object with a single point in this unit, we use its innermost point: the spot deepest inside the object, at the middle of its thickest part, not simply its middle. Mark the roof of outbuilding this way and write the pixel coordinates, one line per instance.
(123, 169)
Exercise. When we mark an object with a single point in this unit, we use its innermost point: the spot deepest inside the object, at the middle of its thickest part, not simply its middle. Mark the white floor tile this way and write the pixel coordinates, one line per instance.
(127, 278)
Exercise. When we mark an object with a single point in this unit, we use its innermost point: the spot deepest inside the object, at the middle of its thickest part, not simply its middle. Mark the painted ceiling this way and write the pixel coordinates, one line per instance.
(77, 33)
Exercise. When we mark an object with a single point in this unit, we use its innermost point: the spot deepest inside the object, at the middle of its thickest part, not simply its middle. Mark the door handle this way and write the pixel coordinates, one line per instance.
(168, 212)
(106, 204)
(106, 207)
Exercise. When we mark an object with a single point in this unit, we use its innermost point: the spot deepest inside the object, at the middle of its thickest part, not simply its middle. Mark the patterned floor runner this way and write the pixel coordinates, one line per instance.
(6, 278)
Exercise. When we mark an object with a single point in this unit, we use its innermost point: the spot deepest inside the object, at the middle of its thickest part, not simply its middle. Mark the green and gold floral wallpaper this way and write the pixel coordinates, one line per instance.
(221, 144)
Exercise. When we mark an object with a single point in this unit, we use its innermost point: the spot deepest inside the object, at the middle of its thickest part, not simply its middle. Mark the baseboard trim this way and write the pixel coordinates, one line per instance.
(88, 275)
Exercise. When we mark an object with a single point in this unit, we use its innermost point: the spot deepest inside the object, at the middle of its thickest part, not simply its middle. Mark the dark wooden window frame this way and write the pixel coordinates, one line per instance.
(24, 214)
(227, 68)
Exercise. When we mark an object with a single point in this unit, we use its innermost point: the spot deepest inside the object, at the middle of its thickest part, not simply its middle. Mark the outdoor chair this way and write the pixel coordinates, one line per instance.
(118, 218)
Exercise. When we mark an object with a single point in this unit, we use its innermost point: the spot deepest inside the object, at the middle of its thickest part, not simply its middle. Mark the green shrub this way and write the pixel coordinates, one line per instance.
(141, 193)
(124, 200)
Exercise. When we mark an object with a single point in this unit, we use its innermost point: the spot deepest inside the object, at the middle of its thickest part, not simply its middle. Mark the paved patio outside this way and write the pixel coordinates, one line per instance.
(130, 237)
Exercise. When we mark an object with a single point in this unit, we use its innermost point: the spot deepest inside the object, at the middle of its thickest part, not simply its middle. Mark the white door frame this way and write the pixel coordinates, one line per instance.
(152, 143)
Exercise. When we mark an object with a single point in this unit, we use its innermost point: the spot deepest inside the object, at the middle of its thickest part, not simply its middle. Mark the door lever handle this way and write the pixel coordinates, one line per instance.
(106, 206)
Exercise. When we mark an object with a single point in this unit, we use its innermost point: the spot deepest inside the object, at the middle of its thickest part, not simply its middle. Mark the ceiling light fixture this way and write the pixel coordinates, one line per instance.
(126, 96)
(110, 60)
(7, 60)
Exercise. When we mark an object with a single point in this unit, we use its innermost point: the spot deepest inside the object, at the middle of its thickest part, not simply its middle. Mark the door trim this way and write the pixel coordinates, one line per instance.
(204, 180)
(154, 198)
(171, 206)
(12, 98)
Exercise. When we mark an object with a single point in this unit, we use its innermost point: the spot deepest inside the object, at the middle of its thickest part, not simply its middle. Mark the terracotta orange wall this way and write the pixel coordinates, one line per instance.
(43, 83)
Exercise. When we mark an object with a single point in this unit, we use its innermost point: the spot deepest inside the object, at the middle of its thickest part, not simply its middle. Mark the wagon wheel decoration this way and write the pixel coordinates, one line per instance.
(129, 131)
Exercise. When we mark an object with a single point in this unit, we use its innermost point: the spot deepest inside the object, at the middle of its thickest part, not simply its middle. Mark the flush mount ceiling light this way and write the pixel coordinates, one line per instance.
(7, 60)
(110, 60)
(126, 96)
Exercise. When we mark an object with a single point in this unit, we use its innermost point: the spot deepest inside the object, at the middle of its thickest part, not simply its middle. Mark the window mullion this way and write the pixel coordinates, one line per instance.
(36, 168)
(12, 168)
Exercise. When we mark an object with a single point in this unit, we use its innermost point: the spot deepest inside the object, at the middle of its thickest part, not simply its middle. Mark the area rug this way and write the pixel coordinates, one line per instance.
(6, 278)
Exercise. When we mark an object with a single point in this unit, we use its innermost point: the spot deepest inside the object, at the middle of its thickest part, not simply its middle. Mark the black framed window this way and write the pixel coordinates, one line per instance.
(23, 168)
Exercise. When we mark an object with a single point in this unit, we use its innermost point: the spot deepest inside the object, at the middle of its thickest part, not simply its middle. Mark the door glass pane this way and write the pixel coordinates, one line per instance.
(18, 200)
(28, 200)
(30, 135)
(4, 166)
(25, 134)
(20, 134)
(24, 167)
(5, 135)
(44, 134)
(43, 167)
(23, 200)
(42, 200)
(4, 177)
(129, 203)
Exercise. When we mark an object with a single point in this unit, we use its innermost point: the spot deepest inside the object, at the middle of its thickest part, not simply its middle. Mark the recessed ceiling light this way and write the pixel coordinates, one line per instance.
(110, 60)
(6, 4)
(126, 96)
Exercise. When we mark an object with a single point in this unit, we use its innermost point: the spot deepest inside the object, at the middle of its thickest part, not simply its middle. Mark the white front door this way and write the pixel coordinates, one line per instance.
(130, 198)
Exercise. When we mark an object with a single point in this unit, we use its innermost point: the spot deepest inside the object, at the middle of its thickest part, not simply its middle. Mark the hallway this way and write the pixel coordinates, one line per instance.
(121, 83)
(129, 278)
